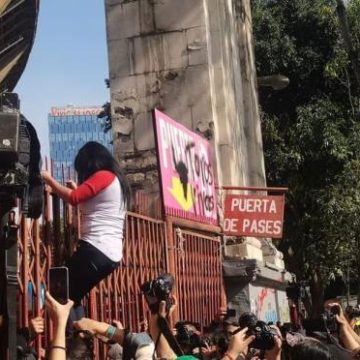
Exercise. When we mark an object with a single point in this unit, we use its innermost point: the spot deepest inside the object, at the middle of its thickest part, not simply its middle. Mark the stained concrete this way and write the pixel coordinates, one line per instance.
(192, 59)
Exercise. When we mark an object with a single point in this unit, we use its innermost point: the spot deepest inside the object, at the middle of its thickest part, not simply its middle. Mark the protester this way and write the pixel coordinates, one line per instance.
(26, 337)
(238, 345)
(347, 335)
(135, 345)
(102, 195)
(275, 352)
(255, 340)
(59, 315)
(309, 349)
(37, 326)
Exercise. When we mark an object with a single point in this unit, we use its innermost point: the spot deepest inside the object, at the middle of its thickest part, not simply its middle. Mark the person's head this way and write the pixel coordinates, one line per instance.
(334, 289)
(310, 349)
(93, 157)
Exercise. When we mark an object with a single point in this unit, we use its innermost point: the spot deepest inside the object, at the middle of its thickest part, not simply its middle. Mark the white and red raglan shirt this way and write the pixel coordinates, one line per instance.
(102, 212)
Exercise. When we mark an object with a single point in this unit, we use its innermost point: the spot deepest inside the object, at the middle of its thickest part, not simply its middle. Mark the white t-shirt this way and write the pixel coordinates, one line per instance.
(102, 212)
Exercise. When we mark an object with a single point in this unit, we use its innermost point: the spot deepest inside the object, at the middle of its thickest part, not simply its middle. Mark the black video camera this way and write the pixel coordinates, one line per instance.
(158, 290)
(264, 334)
(20, 159)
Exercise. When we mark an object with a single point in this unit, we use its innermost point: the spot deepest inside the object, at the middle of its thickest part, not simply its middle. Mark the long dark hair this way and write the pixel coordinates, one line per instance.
(310, 349)
(93, 157)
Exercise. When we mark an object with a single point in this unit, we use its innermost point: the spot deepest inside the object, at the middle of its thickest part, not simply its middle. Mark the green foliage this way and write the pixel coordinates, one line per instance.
(105, 116)
(311, 131)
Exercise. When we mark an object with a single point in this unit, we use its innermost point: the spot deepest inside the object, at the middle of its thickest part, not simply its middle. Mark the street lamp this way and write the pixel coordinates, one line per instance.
(277, 82)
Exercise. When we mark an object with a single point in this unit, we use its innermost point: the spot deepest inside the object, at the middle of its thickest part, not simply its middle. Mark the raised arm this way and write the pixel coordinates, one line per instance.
(59, 315)
(100, 328)
(61, 190)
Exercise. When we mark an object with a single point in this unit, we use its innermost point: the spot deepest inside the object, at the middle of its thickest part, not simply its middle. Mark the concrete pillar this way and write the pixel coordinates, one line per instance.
(192, 59)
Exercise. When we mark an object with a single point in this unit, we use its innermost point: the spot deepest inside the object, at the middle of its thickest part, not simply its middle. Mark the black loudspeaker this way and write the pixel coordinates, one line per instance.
(20, 163)
(9, 138)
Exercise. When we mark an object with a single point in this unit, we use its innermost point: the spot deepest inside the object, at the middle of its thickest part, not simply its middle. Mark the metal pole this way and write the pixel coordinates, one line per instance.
(171, 262)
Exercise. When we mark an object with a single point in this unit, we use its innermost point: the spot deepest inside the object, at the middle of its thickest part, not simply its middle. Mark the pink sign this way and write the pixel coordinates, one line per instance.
(186, 170)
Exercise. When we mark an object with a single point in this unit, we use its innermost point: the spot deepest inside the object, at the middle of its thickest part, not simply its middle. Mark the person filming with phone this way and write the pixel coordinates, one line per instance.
(102, 195)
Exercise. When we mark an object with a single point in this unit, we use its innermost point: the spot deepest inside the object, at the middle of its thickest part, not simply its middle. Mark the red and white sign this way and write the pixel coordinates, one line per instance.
(73, 111)
(254, 215)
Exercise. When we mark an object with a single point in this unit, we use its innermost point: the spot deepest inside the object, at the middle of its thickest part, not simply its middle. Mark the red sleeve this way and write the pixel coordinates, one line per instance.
(92, 186)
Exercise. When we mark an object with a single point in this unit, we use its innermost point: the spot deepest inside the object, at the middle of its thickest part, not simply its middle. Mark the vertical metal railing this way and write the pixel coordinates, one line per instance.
(199, 276)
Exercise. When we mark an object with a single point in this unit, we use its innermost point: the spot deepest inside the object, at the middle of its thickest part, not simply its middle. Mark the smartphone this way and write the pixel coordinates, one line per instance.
(59, 284)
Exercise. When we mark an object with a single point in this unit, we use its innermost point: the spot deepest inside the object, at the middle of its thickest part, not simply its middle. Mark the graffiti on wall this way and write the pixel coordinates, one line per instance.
(265, 303)
(283, 306)
(268, 304)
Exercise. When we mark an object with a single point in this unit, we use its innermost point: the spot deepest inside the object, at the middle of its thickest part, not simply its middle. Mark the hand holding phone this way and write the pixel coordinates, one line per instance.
(59, 284)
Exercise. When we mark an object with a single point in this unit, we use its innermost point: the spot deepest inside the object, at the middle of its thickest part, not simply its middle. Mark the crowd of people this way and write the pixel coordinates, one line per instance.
(227, 338)
(103, 196)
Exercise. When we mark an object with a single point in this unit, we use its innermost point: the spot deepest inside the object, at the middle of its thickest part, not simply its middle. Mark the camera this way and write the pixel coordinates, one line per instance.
(158, 290)
(264, 334)
(20, 159)
(188, 336)
(326, 323)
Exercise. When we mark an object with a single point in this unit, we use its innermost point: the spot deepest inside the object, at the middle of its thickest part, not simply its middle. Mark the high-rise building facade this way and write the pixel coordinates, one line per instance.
(70, 128)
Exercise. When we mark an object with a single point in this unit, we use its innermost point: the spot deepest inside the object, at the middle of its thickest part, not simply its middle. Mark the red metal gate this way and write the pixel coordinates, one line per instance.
(198, 266)
(151, 247)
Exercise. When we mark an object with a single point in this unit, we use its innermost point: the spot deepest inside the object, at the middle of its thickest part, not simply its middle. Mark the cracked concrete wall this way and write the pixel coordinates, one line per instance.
(192, 59)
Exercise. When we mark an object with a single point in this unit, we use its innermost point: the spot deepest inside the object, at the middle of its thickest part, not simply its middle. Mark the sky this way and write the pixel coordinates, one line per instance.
(68, 63)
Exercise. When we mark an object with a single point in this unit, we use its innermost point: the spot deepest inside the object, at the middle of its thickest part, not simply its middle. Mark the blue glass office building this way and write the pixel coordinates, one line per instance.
(69, 129)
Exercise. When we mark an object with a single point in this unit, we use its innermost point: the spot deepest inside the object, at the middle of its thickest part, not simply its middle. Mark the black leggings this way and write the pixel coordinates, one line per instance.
(87, 267)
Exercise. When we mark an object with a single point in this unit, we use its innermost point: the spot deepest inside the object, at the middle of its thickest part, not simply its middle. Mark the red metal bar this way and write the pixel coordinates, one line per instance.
(35, 232)
(148, 218)
(252, 188)
(171, 263)
(137, 270)
(47, 236)
(25, 271)
(194, 225)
